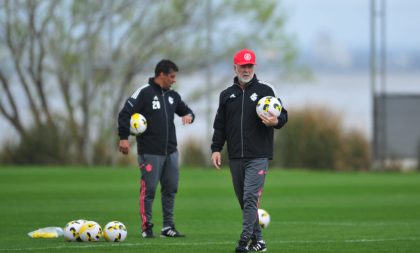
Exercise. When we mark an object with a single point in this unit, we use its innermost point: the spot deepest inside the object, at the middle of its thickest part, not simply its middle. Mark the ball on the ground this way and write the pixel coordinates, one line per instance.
(138, 124)
(115, 231)
(71, 230)
(264, 218)
(90, 232)
(269, 104)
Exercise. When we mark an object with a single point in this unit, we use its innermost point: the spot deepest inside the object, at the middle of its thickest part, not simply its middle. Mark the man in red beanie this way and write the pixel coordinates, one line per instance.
(249, 140)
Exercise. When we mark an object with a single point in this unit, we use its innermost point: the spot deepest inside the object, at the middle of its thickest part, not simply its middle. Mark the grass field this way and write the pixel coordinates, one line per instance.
(310, 211)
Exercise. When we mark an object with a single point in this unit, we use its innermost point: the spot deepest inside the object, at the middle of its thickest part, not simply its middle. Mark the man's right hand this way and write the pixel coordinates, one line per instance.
(124, 147)
(216, 159)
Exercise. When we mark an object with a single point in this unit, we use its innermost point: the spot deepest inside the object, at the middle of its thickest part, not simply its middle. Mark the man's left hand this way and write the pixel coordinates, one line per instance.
(269, 120)
(187, 119)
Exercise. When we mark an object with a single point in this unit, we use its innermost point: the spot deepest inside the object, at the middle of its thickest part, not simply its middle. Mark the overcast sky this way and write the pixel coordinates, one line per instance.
(346, 22)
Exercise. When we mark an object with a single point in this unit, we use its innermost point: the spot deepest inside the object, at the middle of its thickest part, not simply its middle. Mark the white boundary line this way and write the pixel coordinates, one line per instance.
(93, 245)
(348, 224)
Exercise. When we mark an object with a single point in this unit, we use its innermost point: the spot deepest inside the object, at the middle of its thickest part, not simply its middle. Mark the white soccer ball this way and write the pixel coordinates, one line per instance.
(71, 230)
(115, 231)
(90, 232)
(264, 218)
(138, 124)
(269, 104)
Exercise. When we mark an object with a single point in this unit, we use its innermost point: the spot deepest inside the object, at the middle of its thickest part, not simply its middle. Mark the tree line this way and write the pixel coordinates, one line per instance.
(66, 67)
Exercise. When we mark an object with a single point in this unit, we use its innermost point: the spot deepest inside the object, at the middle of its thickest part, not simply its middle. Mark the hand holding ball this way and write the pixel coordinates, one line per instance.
(269, 104)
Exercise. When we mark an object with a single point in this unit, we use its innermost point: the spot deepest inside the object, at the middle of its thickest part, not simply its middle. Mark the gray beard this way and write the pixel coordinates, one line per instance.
(243, 80)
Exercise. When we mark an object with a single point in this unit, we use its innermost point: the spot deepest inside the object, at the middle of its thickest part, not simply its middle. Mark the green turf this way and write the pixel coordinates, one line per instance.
(310, 211)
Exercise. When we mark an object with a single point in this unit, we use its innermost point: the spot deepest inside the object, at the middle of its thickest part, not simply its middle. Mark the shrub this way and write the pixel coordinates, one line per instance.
(41, 145)
(315, 138)
(193, 154)
(356, 152)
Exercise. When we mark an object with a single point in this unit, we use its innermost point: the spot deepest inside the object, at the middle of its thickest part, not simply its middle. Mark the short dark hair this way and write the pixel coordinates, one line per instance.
(165, 66)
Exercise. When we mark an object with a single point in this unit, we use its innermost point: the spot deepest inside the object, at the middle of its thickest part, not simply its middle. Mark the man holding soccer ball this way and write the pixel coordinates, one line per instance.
(157, 146)
(249, 140)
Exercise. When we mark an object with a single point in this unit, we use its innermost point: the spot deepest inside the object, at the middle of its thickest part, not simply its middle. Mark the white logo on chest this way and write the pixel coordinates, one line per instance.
(254, 96)
(171, 100)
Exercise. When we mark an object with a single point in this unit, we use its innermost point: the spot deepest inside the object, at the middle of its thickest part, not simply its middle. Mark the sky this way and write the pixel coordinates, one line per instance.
(348, 22)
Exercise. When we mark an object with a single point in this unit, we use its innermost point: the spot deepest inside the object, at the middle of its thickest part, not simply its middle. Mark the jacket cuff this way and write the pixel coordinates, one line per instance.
(282, 119)
(123, 137)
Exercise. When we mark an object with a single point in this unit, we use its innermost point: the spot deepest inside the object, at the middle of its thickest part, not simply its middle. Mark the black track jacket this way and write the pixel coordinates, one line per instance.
(238, 123)
(158, 107)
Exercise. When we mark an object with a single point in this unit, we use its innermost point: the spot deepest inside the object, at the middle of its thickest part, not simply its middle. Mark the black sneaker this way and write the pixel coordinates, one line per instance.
(148, 232)
(242, 244)
(257, 246)
(170, 232)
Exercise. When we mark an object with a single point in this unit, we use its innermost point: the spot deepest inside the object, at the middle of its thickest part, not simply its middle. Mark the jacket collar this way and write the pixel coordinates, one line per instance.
(155, 85)
(253, 81)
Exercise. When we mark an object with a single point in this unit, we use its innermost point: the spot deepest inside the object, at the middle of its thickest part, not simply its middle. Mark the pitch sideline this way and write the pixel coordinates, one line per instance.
(216, 243)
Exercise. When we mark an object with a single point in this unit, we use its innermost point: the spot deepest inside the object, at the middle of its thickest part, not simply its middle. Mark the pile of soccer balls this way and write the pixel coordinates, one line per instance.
(91, 231)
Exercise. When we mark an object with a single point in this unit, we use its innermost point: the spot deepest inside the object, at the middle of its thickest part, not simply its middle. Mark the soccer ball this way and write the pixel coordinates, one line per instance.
(71, 230)
(90, 231)
(138, 124)
(269, 103)
(115, 231)
(264, 218)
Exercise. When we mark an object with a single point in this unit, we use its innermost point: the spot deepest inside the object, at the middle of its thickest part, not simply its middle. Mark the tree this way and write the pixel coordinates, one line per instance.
(72, 63)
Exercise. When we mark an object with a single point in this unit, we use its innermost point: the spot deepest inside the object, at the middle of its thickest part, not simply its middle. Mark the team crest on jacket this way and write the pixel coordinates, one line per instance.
(254, 96)
(171, 100)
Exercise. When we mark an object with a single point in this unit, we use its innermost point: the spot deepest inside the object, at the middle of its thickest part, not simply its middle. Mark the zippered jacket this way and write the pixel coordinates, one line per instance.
(237, 122)
(158, 106)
